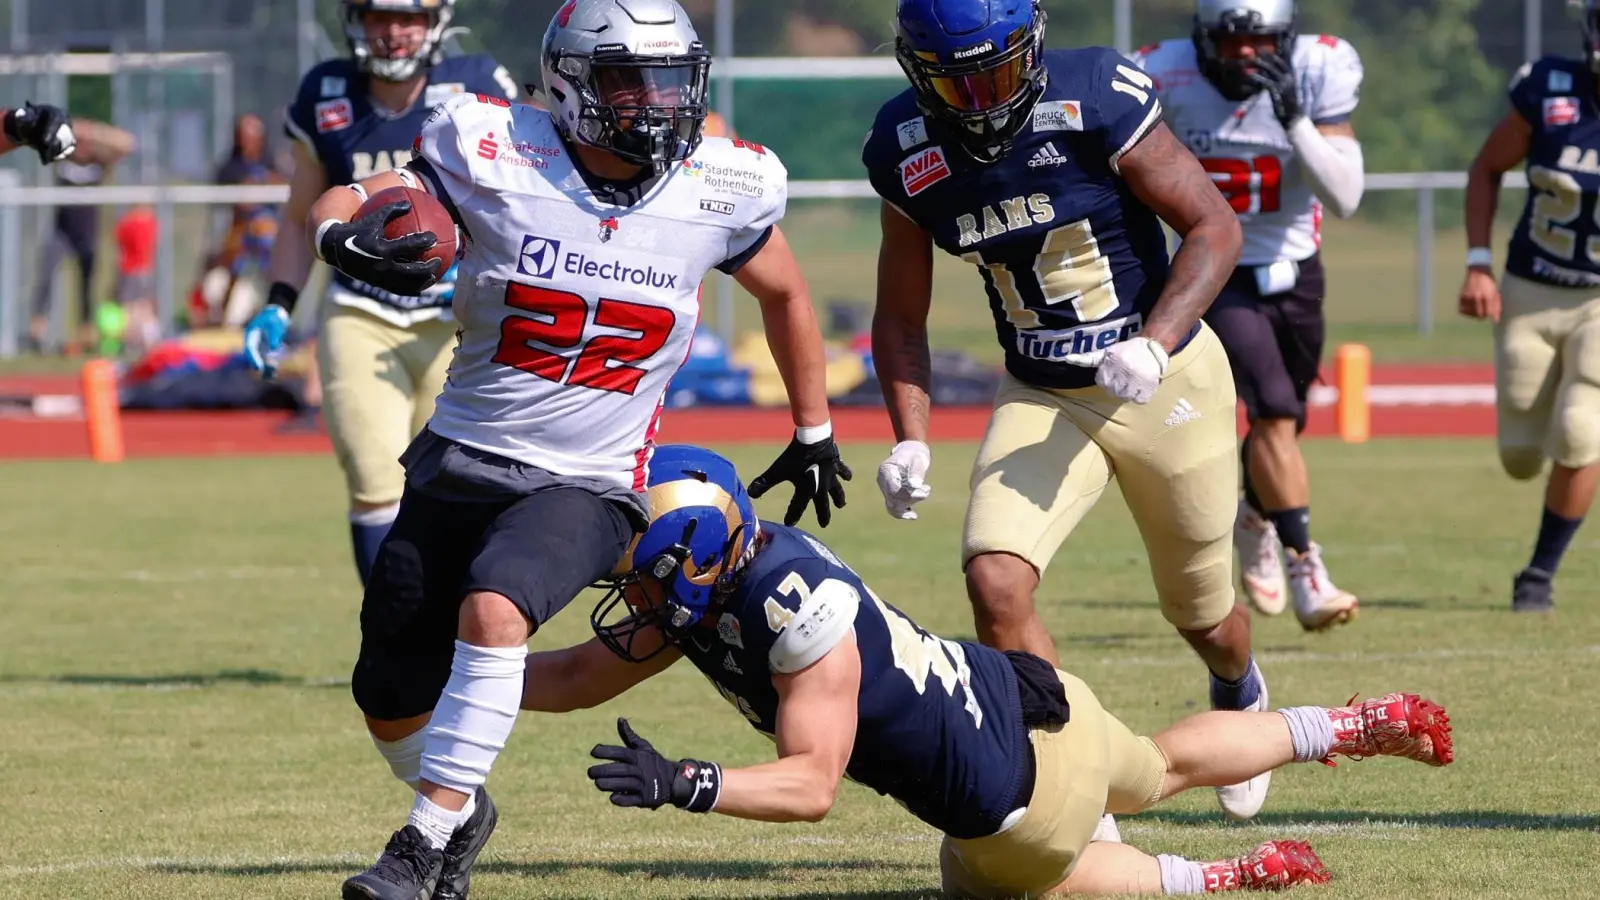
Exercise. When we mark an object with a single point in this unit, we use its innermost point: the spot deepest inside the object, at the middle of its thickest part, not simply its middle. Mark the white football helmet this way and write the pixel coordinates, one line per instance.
(379, 62)
(1214, 18)
(629, 77)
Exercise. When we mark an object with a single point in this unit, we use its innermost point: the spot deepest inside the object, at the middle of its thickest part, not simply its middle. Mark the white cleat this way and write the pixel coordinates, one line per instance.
(1260, 561)
(1243, 801)
(1319, 604)
(1107, 831)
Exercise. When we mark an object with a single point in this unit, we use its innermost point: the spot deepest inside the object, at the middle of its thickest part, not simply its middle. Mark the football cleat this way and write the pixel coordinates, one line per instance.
(1272, 866)
(1318, 603)
(465, 845)
(1242, 801)
(408, 870)
(1260, 561)
(1530, 591)
(1403, 725)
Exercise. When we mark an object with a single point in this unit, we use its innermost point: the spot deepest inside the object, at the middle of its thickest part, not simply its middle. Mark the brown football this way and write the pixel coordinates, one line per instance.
(426, 214)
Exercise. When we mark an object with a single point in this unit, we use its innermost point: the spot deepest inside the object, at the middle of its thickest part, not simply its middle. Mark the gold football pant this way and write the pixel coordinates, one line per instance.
(1049, 454)
(1547, 376)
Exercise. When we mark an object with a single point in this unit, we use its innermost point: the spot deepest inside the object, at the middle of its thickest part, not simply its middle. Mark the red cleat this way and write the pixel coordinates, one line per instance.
(1393, 725)
(1273, 866)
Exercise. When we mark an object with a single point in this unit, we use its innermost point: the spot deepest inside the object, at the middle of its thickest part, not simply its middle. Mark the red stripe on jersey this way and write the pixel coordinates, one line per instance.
(1328, 40)
(641, 457)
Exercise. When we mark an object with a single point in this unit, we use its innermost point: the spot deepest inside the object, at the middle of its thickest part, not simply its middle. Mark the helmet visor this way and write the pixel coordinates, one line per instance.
(981, 84)
(661, 88)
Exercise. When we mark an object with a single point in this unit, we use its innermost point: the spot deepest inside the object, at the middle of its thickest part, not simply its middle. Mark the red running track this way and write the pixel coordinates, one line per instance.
(169, 434)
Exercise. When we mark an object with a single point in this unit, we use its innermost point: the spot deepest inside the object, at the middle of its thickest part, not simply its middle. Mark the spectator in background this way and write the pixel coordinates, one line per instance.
(137, 234)
(77, 228)
(254, 227)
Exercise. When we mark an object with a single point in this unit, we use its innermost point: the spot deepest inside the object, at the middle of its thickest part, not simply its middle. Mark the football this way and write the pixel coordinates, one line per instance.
(426, 214)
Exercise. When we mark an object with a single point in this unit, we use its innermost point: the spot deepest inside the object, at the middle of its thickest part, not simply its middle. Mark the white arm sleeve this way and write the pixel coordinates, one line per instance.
(448, 174)
(1333, 165)
(821, 623)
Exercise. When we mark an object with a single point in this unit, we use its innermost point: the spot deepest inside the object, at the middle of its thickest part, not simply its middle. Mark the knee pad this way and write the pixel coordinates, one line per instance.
(1522, 463)
(1575, 438)
(390, 687)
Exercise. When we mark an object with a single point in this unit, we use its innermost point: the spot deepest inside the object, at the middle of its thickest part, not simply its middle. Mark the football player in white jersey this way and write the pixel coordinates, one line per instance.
(1267, 111)
(589, 228)
(43, 127)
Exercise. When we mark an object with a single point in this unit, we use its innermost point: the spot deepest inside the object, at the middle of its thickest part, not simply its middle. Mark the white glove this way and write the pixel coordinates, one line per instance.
(1132, 370)
(900, 478)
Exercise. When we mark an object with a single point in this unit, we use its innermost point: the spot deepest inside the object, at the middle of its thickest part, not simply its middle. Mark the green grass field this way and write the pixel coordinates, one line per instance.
(178, 636)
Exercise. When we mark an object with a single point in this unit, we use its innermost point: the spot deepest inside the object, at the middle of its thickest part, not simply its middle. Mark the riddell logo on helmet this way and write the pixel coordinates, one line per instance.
(970, 52)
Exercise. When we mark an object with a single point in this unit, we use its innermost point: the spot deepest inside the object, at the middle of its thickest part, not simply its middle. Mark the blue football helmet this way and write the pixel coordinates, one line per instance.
(976, 65)
(702, 526)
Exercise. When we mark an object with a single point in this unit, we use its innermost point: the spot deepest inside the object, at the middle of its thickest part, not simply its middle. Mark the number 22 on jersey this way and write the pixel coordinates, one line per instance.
(558, 320)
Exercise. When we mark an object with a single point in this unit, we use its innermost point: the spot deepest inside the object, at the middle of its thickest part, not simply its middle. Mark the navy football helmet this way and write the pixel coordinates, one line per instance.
(977, 66)
(383, 62)
(1216, 18)
(702, 529)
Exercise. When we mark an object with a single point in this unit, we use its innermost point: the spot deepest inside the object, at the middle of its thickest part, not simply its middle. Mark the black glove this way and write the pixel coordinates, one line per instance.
(46, 129)
(640, 776)
(359, 249)
(1275, 75)
(814, 470)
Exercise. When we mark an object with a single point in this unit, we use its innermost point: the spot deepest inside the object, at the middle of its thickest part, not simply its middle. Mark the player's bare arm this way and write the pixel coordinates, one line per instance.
(773, 277)
(816, 729)
(585, 676)
(1506, 147)
(900, 322)
(1168, 179)
(291, 252)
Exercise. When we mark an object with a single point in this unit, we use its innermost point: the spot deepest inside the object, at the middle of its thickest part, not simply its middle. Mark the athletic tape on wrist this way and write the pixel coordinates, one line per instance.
(814, 434)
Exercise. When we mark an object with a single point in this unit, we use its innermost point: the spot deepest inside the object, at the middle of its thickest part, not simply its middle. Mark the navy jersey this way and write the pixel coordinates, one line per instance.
(1557, 241)
(940, 722)
(1071, 260)
(333, 116)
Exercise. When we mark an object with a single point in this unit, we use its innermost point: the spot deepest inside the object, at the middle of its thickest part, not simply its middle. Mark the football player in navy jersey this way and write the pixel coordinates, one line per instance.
(1013, 760)
(45, 128)
(1052, 171)
(1546, 309)
(381, 356)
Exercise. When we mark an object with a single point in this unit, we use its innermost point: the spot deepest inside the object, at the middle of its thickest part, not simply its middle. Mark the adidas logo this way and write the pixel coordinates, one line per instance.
(1182, 413)
(1047, 156)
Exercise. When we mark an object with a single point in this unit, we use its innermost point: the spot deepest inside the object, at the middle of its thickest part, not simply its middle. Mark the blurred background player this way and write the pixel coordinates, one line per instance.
(1546, 309)
(137, 234)
(47, 129)
(1269, 118)
(381, 357)
(75, 229)
(1011, 759)
(252, 227)
(1052, 172)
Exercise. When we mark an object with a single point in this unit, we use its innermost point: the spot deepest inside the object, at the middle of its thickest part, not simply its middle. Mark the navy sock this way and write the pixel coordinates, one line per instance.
(1235, 694)
(1250, 495)
(1555, 533)
(1294, 528)
(366, 539)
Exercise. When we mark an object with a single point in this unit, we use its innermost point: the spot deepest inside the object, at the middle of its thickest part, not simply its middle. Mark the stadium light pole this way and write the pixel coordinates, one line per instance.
(724, 41)
(1122, 25)
(155, 26)
(305, 20)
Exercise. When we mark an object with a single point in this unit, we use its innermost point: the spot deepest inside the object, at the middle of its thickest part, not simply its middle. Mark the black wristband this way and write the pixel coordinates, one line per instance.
(696, 786)
(283, 295)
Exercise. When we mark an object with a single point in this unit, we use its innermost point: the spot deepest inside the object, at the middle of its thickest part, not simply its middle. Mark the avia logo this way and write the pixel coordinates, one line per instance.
(1048, 155)
(924, 170)
(539, 256)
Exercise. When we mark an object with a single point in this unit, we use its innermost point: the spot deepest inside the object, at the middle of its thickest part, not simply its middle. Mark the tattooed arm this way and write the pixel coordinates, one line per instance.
(900, 322)
(1168, 179)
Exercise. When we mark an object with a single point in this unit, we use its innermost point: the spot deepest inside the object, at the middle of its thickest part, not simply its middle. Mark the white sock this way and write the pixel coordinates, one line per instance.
(1180, 876)
(405, 755)
(383, 515)
(1310, 731)
(435, 822)
(474, 716)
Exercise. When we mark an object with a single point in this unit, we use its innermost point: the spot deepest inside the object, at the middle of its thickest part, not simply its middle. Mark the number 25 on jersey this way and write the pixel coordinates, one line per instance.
(558, 320)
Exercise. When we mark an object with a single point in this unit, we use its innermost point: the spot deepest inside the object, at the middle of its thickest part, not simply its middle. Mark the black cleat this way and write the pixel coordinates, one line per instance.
(407, 870)
(465, 845)
(1530, 591)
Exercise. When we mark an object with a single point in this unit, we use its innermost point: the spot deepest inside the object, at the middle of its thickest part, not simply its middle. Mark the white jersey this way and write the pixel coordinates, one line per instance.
(1245, 148)
(575, 313)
